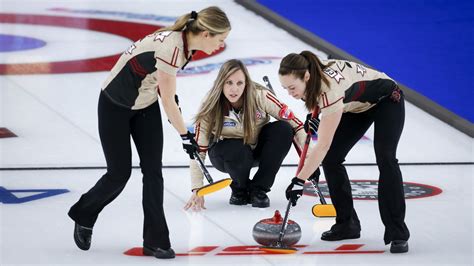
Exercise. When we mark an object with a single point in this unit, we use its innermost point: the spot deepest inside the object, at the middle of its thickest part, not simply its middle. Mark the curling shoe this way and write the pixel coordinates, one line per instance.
(333, 235)
(82, 236)
(239, 198)
(159, 253)
(399, 246)
(259, 199)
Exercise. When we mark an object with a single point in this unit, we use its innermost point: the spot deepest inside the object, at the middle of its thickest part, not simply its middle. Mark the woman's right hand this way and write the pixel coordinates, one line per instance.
(195, 203)
(190, 145)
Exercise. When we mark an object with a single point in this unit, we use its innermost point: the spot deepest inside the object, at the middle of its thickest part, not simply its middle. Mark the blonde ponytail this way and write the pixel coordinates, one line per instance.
(211, 19)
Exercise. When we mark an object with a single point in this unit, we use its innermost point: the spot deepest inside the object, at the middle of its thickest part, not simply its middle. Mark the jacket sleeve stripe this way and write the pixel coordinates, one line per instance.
(175, 56)
(333, 102)
(325, 100)
(166, 62)
(297, 121)
(197, 128)
(271, 98)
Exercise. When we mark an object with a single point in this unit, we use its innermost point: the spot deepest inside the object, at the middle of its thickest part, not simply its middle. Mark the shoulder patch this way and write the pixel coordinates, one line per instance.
(361, 70)
(259, 114)
(229, 124)
(334, 74)
(160, 36)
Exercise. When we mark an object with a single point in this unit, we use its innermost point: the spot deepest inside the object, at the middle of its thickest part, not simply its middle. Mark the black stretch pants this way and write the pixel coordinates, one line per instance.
(233, 157)
(116, 125)
(388, 118)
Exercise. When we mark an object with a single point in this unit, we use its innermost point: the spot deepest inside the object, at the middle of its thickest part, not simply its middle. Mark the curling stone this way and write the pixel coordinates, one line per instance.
(267, 231)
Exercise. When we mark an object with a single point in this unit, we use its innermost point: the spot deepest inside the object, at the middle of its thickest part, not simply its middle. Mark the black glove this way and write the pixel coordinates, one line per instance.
(295, 190)
(190, 145)
(311, 124)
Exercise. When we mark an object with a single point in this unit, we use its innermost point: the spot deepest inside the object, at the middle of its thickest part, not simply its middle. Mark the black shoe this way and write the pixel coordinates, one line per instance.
(333, 235)
(159, 253)
(239, 198)
(399, 246)
(82, 236)
(259, 199)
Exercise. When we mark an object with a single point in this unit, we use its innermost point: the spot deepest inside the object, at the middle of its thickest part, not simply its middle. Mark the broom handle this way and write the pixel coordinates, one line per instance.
(300, 164)
(203, 168)
(320, 194)
(284, 223)
(268, 84)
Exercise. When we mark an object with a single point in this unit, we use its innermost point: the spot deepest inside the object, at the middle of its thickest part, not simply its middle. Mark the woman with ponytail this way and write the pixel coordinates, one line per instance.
(350, 98)
(128, 106)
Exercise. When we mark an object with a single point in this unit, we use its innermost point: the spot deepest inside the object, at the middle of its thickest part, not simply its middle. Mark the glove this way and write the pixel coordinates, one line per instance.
(190, 145)
(295, 190)
(311, 124)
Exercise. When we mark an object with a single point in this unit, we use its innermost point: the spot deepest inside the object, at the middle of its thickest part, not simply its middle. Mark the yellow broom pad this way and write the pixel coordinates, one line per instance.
(324, 210)
(211, 188)
(279, 250)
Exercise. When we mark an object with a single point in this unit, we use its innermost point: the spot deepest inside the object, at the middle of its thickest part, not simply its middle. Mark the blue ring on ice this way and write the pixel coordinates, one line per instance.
(13, 43)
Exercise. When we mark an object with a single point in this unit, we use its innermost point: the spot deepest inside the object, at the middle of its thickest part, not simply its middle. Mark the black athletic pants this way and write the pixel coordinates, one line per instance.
(388, 118)
(233, 157)
(116, 124)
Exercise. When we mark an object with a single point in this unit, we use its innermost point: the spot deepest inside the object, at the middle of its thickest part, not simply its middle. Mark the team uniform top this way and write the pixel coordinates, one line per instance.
(267, 105)
(132, 82)
(352, 87)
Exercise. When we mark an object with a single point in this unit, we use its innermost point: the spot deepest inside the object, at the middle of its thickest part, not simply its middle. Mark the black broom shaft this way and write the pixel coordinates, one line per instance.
(268, 84)
(203, 168)
(287, 213)
(320, 194)
(285, 221)
(308, 138)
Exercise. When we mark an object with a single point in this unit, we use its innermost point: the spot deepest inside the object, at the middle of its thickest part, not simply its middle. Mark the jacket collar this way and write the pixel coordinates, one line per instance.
(188, 56)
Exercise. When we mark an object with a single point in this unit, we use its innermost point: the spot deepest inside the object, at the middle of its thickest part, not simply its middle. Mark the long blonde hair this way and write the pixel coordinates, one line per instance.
(298, 64)
(215, 103)
(211, 19)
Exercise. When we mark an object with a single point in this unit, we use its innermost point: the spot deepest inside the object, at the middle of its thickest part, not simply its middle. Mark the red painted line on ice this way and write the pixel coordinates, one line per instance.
(350, 247)
(131, 30)
(254, 250)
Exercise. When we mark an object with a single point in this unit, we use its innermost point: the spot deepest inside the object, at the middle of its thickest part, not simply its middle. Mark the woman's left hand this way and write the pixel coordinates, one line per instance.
(195, 203)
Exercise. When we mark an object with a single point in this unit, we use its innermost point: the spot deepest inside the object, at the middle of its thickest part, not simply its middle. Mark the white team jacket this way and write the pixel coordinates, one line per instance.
(268, 105)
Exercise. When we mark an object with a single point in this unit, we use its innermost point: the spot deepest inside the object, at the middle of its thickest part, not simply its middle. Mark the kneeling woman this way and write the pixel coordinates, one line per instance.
(233, 122)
